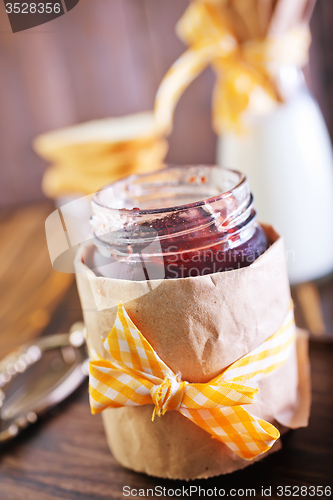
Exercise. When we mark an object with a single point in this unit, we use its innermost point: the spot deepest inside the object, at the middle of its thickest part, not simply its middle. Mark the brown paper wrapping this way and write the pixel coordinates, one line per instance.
(254, 19)
(198, 326)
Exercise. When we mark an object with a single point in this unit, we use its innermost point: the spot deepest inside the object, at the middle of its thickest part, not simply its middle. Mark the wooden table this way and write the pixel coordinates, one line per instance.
(65, 455)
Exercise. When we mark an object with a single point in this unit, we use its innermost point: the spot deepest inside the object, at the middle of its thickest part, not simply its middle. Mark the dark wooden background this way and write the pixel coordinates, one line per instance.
(107, 58)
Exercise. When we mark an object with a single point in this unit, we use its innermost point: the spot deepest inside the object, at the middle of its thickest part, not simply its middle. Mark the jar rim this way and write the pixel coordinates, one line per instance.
(242, 179)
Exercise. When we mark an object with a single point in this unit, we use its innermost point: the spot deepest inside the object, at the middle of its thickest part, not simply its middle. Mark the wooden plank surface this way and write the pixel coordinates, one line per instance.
(30, 290)
(65, 455)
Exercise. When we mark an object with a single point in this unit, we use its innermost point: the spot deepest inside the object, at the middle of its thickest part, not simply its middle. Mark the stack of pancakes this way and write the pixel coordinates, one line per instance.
(88, 156)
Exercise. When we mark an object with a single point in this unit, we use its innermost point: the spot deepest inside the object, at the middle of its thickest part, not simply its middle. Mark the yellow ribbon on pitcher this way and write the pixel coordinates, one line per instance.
(244, 71)
(136, 375)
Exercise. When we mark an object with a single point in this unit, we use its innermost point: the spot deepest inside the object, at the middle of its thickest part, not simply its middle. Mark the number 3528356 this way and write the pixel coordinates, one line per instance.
(33, 8)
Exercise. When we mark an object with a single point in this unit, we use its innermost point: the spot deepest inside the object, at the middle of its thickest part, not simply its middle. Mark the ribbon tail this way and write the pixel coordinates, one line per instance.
(186, 68)
(112, 387)
(246, 435)
(229, 103)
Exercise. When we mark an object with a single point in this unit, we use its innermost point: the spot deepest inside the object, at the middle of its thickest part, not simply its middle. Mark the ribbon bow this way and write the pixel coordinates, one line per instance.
(245, 72)
(136, 375)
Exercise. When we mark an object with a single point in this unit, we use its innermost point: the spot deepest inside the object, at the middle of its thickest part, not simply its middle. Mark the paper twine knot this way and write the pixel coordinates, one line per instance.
(135, 375)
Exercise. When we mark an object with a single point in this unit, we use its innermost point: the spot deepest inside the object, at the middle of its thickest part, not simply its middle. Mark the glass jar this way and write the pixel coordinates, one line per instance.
(175, 223)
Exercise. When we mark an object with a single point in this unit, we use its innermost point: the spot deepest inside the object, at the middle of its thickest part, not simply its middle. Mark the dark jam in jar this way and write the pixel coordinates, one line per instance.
(191, 221)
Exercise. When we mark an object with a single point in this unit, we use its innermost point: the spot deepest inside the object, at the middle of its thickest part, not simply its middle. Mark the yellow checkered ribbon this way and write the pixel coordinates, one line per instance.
(245, 71)
(136, 375)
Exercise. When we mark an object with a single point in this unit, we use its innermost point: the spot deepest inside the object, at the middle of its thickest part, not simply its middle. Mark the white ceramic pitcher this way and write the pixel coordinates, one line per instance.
(287, 156)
